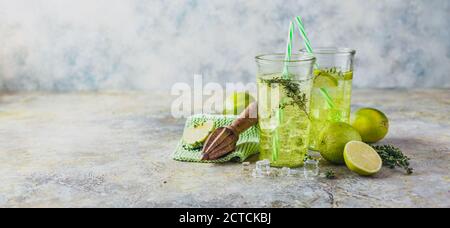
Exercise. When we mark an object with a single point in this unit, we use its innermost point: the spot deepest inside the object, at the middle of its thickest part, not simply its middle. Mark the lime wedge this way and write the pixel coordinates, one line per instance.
(325, 81)
(196, 135)
(362, 158)
(348, 75)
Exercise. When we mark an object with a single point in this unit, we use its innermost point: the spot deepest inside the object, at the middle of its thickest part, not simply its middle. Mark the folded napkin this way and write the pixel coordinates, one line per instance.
(246, 146)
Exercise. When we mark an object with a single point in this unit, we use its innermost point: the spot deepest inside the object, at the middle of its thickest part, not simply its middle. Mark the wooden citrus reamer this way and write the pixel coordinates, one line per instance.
(223, 140)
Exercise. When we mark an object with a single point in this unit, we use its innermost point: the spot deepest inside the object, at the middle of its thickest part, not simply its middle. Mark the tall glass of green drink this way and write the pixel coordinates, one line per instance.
(284, 90)
(332, 89)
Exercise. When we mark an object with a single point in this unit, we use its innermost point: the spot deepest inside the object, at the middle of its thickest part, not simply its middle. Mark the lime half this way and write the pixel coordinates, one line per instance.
(362, 158)
(196, 135)
(325, 81)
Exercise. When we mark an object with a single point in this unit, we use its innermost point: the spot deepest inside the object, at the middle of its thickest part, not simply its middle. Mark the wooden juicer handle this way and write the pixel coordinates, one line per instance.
(247, 119)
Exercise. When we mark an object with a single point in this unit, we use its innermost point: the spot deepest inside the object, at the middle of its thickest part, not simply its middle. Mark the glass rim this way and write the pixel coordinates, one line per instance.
(331, 50)
(304, 57)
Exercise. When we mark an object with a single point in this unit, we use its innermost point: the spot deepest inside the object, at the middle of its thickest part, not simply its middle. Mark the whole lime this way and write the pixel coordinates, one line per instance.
(372, 124)
(237, 102)
(332, 141)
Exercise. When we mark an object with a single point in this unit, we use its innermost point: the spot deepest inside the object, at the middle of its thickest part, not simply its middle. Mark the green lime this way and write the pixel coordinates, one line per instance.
(237, 103)
(196, 135)
(332, 141)
(362, 158)
(372, 124)
(324, 80)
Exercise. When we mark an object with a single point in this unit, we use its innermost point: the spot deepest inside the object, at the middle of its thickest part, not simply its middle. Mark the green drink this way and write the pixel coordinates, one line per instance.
(332, 90)
(283, 109)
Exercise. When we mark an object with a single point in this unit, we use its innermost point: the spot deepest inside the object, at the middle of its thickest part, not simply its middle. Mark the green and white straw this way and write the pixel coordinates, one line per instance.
(301, 28)
(307, 42)
(279, 113)
(287, 59)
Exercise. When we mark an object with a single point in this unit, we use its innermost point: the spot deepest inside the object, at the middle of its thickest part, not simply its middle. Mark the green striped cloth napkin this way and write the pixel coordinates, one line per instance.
(246, 146)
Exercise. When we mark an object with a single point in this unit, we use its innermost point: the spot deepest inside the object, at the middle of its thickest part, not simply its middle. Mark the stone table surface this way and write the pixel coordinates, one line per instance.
(113, 149)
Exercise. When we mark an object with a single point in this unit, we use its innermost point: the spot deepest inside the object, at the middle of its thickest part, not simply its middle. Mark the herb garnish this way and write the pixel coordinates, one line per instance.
(308, 157)
(333, 71)
(329, 174)
(393, 157)
(293, 91)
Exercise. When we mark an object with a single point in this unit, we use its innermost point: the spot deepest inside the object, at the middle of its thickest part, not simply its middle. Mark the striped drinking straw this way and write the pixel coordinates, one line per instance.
(301, 28)
(279, 113)
(287, 59)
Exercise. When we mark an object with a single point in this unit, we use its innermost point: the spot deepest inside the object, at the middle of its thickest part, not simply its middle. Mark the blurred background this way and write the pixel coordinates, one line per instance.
(90, 45)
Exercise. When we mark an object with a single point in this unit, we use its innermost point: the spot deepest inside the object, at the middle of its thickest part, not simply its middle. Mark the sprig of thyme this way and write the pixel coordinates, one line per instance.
(329, 174)
(293, 91)
(308, 157)
(393, 157)
(333, 71)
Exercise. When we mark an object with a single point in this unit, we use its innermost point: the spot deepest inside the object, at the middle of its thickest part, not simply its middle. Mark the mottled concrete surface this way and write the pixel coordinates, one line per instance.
(113, 150)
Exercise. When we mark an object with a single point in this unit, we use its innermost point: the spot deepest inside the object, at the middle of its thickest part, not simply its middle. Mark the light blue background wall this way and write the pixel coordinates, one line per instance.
(67, 45)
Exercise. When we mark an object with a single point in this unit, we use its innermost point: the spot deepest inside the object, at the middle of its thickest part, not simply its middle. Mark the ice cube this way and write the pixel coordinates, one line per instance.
(294, 173)
(246, 168)
(274, 172)
(263, 167)
(285, 172)
(257, 173)
(311, 169)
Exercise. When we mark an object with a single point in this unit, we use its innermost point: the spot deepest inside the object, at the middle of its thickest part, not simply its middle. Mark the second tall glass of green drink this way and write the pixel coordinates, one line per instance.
(284, 90)
(332, 89)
